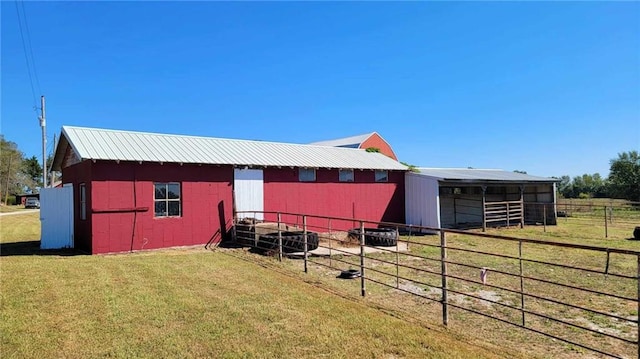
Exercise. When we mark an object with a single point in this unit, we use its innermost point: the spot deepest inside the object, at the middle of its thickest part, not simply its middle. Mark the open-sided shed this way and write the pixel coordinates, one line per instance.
(464, 198)
(135, 190)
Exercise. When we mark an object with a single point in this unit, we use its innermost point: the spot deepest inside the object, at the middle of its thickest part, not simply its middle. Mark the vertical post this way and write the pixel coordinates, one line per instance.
(363, 289)
(43, 125)
(279, 238)
(508, 219)
(443, 269)
(521, 206)
(521, 281)
(484, 208)
(606, 227)
(544, 216)
(304, 238)
(397, 259)
(330, 240)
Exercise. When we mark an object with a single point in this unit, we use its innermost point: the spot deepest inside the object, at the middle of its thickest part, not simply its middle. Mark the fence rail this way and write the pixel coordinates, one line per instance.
(435, 268)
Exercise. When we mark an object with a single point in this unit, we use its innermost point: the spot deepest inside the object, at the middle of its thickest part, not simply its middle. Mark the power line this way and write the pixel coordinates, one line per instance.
(26, 56)
(33, 59)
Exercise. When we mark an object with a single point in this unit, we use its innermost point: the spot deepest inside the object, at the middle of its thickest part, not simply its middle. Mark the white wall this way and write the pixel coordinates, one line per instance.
(56, 217)
(248, 186)
(422, 200)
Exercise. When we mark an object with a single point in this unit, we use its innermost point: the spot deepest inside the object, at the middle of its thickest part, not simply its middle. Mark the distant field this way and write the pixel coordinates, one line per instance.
(193, 303)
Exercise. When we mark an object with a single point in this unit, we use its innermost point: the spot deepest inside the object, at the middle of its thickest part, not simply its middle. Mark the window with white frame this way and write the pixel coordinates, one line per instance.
(307, 174)
(167, 200)
(382, 176)
(83, 201)
(346, 175)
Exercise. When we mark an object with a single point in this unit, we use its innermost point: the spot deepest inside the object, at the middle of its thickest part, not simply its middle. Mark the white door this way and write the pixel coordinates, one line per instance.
(56, 217)
(248, 186)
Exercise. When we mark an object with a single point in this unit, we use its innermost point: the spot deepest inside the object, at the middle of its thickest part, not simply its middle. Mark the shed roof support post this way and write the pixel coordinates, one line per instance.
(484, 208)
(522, 206)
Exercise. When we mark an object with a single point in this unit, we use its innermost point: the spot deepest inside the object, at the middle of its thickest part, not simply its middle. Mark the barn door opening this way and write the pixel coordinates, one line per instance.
(56, 217)
(248, 186)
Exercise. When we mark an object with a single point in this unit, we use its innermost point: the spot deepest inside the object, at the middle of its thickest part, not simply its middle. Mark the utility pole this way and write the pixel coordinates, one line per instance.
(43, 125)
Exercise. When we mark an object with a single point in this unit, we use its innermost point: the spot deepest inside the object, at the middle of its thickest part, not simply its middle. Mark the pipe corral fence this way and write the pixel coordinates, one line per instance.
(584, 296)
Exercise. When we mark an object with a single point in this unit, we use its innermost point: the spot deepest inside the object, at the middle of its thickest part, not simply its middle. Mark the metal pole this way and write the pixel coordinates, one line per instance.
(43, 125)
(330, 240)
(363, 289)
(279, 238)
(521, 281)
(484, 209)
(443, 264)
(606, 227)
(397, 260)
(304, 237)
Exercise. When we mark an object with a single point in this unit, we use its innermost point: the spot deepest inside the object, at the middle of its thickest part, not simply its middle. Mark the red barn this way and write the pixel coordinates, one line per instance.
(134, 190)
(368, 140)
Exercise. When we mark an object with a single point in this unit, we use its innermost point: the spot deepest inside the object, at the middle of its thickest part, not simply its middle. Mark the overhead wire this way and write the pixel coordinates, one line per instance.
(33, 59)
(26, 54)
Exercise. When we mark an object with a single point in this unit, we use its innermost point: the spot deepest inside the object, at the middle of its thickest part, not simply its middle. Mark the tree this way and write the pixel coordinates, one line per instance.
(373, 149)
(412, 168)
(10, 168)
(624, 176)
(33, 171)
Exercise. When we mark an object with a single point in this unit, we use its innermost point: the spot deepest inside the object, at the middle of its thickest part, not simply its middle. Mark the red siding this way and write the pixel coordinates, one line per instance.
(376, 141)
(361, 199)
(77, 174)
(206, 205)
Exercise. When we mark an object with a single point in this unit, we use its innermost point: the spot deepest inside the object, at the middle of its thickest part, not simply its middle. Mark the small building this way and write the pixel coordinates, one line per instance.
(467, 198)
(365, 141)
(135, 190)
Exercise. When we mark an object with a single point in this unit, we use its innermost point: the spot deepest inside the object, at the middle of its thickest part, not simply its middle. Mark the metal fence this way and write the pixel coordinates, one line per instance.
(616, 221)
(592, 304)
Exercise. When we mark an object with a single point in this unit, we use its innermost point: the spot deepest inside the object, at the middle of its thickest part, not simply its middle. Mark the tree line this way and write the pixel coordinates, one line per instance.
(623, 181)
(18, 174)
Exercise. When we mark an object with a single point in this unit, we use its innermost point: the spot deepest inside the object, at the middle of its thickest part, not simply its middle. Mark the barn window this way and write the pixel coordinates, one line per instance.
(167, 199)
(382, 176)
(83, 201)
(307, 175)
(346, 175)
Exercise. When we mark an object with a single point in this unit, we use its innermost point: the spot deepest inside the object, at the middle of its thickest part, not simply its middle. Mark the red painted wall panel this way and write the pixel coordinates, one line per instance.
(363, 199)
(206, 196)
(376, 141)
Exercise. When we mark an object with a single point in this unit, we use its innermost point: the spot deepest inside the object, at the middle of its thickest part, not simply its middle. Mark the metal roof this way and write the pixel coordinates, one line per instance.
(480, 175)
(103, 144)
(352, 142)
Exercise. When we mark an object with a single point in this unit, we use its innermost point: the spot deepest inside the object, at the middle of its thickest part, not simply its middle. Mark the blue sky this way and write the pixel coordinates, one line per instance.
(548, 88)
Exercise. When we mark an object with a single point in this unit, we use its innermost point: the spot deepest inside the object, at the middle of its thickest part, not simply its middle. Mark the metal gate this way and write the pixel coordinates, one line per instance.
(56, 217)
(248, 187)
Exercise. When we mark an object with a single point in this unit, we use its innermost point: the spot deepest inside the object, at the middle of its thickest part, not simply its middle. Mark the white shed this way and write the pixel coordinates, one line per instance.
(466, 198)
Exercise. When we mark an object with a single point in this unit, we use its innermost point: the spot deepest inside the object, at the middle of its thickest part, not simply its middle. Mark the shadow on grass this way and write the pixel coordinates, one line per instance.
(32, 248)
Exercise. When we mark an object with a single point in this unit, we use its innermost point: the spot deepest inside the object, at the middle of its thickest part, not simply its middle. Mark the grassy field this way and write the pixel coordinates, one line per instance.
(400, 295)
(8, 209)
(194, 303)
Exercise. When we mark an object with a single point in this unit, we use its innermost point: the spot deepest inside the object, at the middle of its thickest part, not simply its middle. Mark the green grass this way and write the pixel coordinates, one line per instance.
(8, 209)
(415, 272)
(194, 303)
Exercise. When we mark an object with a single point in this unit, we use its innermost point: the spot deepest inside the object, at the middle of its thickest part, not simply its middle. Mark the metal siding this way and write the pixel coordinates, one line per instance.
(462, 174)
(56, 217)
(422, 201)
(362, 199)
(248, 185)
(101, 144)
(206, 206)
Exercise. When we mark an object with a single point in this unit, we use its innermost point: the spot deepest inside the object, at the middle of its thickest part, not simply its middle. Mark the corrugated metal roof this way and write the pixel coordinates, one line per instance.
(353, 141)
(469, 174)
(103, 144)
